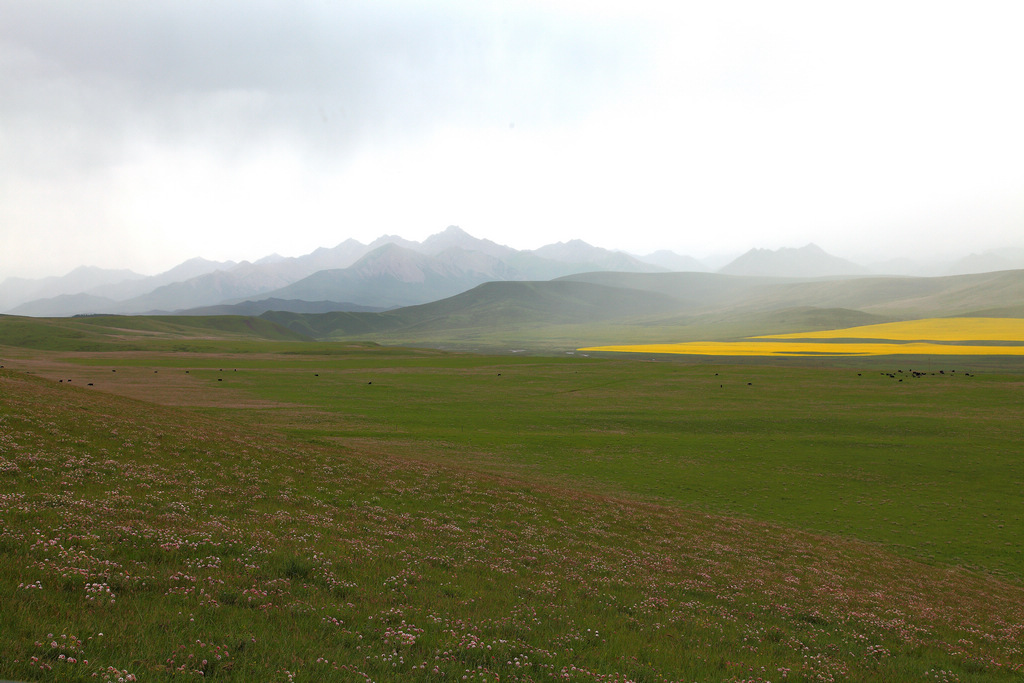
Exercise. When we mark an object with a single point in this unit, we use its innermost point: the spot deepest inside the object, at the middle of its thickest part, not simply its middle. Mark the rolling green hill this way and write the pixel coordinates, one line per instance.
(597, 308)
(111, 332)
(906, 297)
(490, 307)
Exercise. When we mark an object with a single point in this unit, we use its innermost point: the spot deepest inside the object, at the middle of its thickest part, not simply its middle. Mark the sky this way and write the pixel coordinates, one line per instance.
(140, 134)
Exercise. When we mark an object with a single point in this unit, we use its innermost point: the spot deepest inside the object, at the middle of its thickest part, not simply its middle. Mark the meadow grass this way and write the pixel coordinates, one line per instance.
(826, 449)
(142, 542)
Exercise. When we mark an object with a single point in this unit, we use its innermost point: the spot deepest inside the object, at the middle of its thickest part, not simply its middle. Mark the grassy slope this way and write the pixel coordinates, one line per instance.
(109, 333)
(145, 541)
(608, 308)
(889, 296)
(494, 304)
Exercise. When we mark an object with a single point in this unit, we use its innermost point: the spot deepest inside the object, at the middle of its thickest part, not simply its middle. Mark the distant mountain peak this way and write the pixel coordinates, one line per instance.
(578, 251)
(807, 261)
(454, 236)
(674, 262)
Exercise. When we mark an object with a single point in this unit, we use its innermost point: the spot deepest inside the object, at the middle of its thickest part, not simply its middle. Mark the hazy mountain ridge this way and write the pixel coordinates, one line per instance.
(674, 262)
(579, 252)
(393, 275)
(392, 271)
(15, 291)
(807, 261)
(64, 305)
(389, 272)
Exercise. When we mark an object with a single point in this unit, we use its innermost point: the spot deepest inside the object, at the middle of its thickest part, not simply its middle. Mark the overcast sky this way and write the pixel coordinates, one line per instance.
(139, 134)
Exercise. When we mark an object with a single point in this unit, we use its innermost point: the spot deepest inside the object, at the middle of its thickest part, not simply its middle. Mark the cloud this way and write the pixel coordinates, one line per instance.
(174, 128)
(324, 76)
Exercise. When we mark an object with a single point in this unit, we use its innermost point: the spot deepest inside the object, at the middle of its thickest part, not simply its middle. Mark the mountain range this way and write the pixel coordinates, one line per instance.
(393, 272)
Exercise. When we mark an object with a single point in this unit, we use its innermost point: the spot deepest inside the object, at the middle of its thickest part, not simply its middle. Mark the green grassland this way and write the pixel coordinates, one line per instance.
(280, 509)
(827, 449)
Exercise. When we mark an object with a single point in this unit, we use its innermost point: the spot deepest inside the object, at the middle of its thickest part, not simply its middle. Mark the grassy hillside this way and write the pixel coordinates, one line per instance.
(496, 314)
(595, 309)
(907, 297)
(141, 542)
(109, 333)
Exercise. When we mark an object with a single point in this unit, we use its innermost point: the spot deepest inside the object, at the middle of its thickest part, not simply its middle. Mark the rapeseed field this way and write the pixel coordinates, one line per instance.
(928, 337)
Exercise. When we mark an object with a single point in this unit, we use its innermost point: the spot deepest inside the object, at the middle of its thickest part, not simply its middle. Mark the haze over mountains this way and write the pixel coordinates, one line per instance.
(392, 272)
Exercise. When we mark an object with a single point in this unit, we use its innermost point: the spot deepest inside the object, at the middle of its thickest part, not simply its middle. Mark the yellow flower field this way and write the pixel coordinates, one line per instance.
(930, 337)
